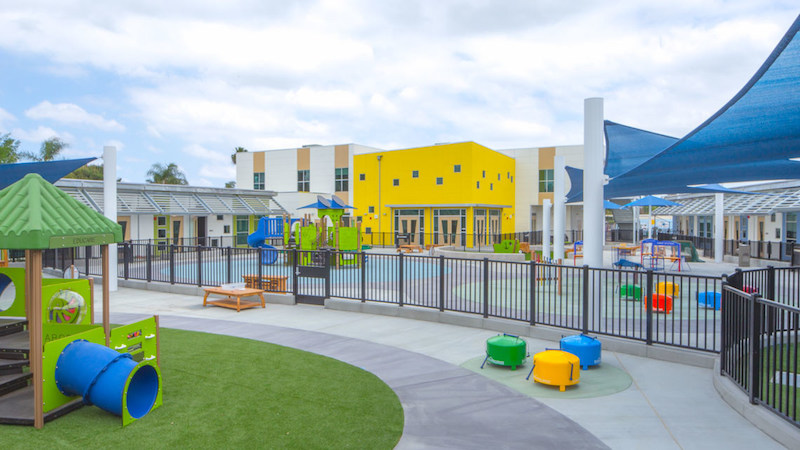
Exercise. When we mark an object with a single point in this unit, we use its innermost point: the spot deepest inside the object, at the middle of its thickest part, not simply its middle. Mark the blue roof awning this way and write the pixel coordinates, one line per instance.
(51, 171)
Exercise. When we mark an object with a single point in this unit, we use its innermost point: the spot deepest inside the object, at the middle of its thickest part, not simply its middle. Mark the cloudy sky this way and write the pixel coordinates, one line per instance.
(187, 81)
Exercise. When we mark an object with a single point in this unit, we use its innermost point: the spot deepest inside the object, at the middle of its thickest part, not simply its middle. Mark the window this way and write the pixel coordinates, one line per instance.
(371, 209)
(498, 177)
(226, 229)
(415, 174)
(362, 177)
(162, 221)
(258, 181)
(342, 179)
(508, 175)
(303, 183)
(439, 180)
(457, 168)
(546, 180)
(491, 186)
(219, 217)
(368, 230)
(512, 179)
(396, 182)
(477, 185)
(242, 229)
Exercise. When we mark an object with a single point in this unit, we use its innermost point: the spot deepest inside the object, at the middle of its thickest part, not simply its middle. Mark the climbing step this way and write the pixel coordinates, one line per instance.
(9, 366)
(11, 326)
(16, 408)
(14, 381)
(15, 346)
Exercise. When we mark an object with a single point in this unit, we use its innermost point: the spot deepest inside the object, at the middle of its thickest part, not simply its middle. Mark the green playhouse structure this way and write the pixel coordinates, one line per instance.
(72, 360)
(310, 235)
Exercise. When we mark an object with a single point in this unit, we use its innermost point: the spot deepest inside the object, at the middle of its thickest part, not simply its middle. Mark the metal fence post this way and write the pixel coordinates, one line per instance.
(585, 326)
(171, 264)
(724, 330)
(485, 287)
(754, 355)
(294, 272)
(148, 264)
(228, 263)
(127, 250)
(87, 255)
(770, 283)
(327, 264)
(363, 276)
(259, 270)
(532, 307)
(199, 266)
(649, 299)
(441, 282)
(400, 280)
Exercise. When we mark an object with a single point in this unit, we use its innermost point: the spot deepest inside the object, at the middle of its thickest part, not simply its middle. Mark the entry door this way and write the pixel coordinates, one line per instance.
(201, 231)
(494, 226)
(408, 226)
(743, 220)
(176, 231)
(480, 230)
(449, 230)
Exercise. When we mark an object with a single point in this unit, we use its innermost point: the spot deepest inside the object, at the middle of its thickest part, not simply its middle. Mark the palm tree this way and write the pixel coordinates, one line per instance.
(48, 151)
(9, 149)
(235, 151)
(169, 174)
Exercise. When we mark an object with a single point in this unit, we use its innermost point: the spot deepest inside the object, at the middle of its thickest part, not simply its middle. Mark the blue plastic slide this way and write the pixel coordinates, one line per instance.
(266, 228)
(103, 377)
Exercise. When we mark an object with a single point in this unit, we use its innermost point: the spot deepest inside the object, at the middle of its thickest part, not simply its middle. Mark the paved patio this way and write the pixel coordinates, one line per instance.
(668, 405)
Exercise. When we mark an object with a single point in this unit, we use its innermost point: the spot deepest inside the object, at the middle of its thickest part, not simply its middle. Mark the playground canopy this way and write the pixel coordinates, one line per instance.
(51, 171)
(651, 201)
(323, 203)
(34, 214)
(755, 136)
(611, 205)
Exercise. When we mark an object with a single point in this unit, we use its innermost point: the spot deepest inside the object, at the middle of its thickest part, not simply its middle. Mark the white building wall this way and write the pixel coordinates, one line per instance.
(141, 226)
(280, 170)
(323, 173)
(244, 170)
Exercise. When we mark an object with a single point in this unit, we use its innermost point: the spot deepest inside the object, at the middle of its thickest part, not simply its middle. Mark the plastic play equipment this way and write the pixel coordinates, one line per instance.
(586, 348)
(709, 299)
(109, 380)
(655, 253)
(577, 252)
(630, 292)
(505, 350)
(690, 251)
(661, 303)
(556, 368)
(267, 228)
(123, 377)
(507, 246)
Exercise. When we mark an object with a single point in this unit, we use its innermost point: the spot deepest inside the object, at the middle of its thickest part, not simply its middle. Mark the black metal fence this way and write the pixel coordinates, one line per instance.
(462, 240)
(773, 251)
(653, 307)
(761, 323)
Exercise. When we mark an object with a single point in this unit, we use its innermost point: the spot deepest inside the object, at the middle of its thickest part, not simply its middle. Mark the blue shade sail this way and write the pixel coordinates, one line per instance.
(652, 201)
(630, 147)
(51, 171)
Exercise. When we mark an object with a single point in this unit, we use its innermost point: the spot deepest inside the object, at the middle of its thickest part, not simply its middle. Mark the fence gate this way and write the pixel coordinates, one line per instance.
(312, 277)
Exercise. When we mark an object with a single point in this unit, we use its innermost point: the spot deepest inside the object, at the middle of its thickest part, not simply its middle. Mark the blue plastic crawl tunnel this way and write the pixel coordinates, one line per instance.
(104, 377)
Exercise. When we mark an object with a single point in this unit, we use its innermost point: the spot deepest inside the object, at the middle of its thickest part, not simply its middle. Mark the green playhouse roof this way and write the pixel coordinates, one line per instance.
(36, 215)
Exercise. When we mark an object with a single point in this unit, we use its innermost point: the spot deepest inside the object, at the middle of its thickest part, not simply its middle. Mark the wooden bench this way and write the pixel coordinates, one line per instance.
(408, 248)
(273, 283)
(233, 298)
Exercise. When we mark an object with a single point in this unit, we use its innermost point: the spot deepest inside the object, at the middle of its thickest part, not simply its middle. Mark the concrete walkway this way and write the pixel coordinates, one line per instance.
(668, 406)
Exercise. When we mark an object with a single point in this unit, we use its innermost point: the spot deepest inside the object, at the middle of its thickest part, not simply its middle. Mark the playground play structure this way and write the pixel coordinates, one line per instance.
(311, 235)
(71, 359)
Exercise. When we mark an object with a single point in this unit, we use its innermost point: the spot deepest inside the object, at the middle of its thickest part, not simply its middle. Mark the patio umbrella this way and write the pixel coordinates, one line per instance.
(651, 201)
(611, 205)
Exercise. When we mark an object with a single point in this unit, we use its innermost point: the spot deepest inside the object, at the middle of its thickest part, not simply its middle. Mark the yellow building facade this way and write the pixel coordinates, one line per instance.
(453, 194)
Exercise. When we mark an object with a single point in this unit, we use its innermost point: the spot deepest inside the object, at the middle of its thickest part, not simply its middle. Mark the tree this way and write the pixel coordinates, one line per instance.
(48, 151)
(230, 184)
(88, 172)
(169, 174)
(235, 151)
(9, 149)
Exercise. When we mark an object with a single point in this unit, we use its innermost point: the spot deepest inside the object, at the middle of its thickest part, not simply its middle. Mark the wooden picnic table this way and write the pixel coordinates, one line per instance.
(233, 298)
(274, 283)
(408, 248)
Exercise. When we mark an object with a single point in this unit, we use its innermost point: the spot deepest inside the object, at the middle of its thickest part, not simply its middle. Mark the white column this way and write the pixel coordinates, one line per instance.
(546, 230)
(636, 225)
(593, 155)
(559, 206)
(110, 207)
(719, 226)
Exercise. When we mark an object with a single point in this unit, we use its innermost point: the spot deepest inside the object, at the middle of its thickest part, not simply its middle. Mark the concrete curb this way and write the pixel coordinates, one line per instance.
(768, 422)
(636, 348)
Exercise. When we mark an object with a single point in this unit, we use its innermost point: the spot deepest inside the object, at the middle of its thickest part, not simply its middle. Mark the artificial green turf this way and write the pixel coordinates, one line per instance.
(225, 392)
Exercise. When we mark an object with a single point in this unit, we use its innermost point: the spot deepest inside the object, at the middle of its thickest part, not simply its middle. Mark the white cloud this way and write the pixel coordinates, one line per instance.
(5, 117)
(203, 78)
(70, 113)
(39, 134)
